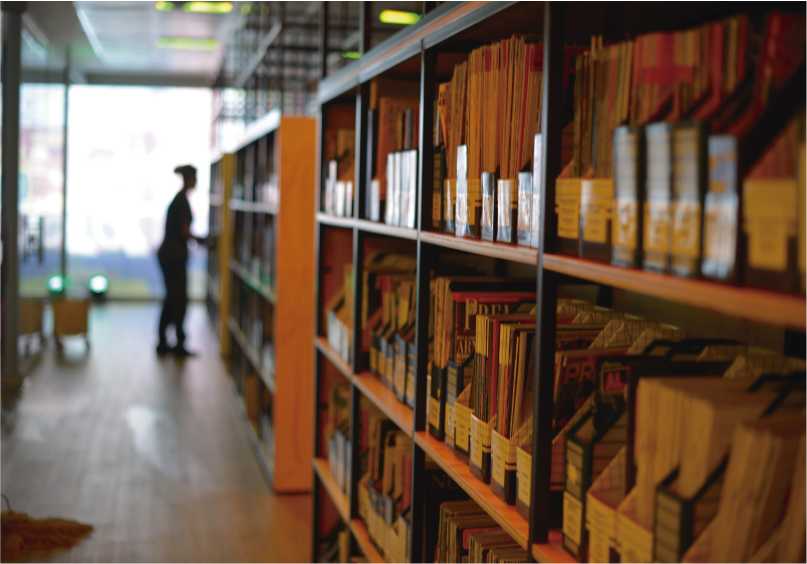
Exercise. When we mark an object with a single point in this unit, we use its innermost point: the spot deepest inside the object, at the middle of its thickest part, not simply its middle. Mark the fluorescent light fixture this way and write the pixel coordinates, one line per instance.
(164, 6)
(55, 283)
(245, 8)
(98, 284)
(351, 54)
(208, 7)
(187, 43)
(396, 17)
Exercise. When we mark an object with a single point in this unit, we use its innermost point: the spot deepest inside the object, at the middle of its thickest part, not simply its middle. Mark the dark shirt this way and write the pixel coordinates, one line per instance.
(175, 245)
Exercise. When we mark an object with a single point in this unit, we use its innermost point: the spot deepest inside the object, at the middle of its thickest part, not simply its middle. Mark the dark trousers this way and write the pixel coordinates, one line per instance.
(176, 298)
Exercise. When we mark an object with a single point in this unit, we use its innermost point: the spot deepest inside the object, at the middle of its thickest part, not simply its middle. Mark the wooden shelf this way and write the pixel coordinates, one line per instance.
(386, 400)
(388, 230)
(746, 303)
(552, 551)
(339, 499)
(505, 515)
(267, 465)
(265, 372)
(359, 530)
(525, 255)
(333, 221)
(253, 282)
(325, 348)
(253, 207)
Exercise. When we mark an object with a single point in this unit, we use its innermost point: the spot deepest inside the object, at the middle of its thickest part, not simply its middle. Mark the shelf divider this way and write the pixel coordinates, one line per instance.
(333, 221)
(388, 230)
(328, 352)
(736, 301)
(525, 255)
(386, 400)
(339, 499)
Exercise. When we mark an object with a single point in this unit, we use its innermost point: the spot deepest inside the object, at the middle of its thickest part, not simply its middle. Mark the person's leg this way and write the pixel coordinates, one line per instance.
(165, 315)
(181, 305)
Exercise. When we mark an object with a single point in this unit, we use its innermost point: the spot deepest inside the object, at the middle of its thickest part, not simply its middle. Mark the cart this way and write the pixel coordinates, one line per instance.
(70, 318)
(31, 322)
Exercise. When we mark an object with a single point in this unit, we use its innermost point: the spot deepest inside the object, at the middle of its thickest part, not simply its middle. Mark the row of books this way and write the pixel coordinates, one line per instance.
(339, 316)
(335, 545)
(485, 120)
(386, 484)
(392, 141)
(688, 153)
(685, 451)
(468, 534)
(254, 316)
(339, 158)
(255, 241)
(388, 321)
(246, 186)
(337, 433)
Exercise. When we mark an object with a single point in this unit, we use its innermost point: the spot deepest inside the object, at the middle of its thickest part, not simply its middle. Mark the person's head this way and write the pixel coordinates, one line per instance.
(188, 173)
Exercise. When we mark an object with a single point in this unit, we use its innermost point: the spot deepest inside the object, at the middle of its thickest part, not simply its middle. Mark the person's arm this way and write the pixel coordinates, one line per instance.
(186, 232)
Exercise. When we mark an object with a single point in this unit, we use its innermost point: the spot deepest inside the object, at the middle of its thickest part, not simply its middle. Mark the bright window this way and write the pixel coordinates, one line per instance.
(123, 145)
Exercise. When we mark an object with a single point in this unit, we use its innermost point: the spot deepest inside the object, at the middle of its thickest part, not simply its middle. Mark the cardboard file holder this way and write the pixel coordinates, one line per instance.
(503, 467)
(678, 520)
(462, 425)
(480, 448)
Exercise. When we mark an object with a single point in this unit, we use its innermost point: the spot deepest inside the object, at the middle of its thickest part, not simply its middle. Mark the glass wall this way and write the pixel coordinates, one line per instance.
(41, 185)
(123, 145)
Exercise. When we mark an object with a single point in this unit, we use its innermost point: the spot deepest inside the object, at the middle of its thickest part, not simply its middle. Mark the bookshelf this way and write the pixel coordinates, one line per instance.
(451, 28)
(218, 271)
(265, 225)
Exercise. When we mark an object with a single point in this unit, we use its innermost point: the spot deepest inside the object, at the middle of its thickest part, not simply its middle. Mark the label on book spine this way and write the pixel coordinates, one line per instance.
(769, 220)
(596, 197)
(623, 231)
(524, 468)
(567, 206)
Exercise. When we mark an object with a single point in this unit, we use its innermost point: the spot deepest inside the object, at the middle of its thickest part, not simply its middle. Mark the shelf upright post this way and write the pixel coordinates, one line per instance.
(547, 282)
(365, 26)
(323, 40)
(360, 152)
(359, 362)
(425, 255)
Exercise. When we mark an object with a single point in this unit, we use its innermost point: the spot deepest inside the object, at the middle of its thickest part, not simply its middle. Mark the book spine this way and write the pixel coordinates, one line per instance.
(721, 229)
(689, 188)
(658, 196)
(629, 180)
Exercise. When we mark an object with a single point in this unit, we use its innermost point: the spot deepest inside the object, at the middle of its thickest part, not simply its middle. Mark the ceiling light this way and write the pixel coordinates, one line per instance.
(208, 7)
(187, 43)
(396, 17)
(351, 54)
(164, 6)
(245, 9)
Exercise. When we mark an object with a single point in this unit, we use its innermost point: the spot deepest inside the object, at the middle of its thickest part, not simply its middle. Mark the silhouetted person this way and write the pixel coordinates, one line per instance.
(173, 256)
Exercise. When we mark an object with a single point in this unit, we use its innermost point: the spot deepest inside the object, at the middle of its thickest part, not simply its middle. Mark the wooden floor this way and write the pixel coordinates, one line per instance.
(148, 451)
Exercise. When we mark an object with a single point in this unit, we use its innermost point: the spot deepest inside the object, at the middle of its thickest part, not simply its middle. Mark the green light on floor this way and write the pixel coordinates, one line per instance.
(98, 284)
(164, 6)
(396, 17)
(351, 54)
(208, 7)
(187, 43)
(55, 283)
